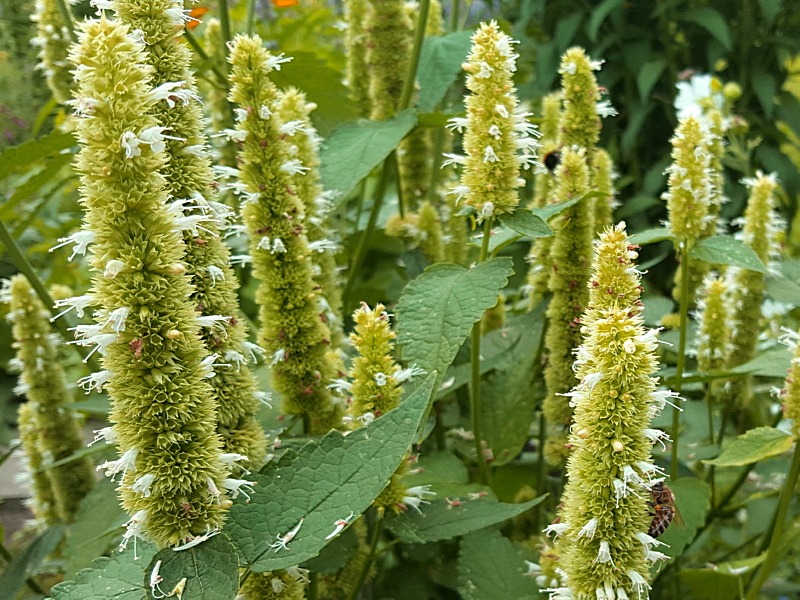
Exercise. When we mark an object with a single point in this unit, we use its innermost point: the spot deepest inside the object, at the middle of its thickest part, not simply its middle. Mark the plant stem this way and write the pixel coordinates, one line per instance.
(683, 309)
(21, 261)
(413, 63)
(198, 48)
(225, 23)
(66, 14)
(475, 362)
(250, 24)
(773, 557)
(373, 546)
(454, 6)
(313, 586)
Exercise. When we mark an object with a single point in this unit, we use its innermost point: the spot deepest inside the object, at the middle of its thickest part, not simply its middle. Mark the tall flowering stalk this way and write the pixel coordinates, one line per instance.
(606, 552)
(216, 94)
(358, 76)
(53, 40)
(603, 181)
(293, 328)
(171, 470)
(48, 427)
(388, 52)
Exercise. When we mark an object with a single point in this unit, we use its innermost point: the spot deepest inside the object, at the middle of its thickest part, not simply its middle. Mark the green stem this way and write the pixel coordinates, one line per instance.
(313, 586)
(773, 555)
(684, 317)
(419, 37)
(373, 546)
(62, 324)
(30, 582)
(475, 362)
(198, 48)
(66, 14)
(454, 7)
(361, 253)
(225, 23)
(438, 146)
(251, 23)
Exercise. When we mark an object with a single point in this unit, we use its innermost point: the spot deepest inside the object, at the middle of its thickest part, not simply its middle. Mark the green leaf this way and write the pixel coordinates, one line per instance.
(29, 152)
(439, 64)
(211, 569)
(13, 577)
(501, 237)
(771, 9)
(727, 250)
(356, 148)
(551, 210)
(120, 577)
(648, 76)
(693, 499)
(440, 520)
(35, 183)
(327, 480)
(599, 15)
(336, 554)
(437, 310)
(765, 89)
(713, 22)
(98, 520)
(753, 446)
(650, 236)
(525, 222)
(491, 568)
(710, 584)
(440, 470)
(770, 363)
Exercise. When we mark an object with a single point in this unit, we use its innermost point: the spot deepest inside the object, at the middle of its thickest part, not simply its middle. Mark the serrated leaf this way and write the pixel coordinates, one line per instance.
(501, 237)
(98, 519)
(650, 236)
(753, 446)
(525, 222)
(439, 64)
(551, 210)
(356, 148)
(211, 569)
(491, 568)
(120, 577)
(442, 521)
(33, 150)
(727, 250)
(326, 480)
(713, 22)
(13, 577)
(770, 363)
(693, 499)
(437, 310)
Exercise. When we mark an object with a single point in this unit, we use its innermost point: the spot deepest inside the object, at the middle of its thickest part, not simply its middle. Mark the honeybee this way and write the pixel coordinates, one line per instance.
(663, 509)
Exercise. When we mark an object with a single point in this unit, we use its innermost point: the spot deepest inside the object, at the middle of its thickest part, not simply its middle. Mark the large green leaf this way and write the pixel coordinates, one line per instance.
(650, 236)
(599, 15)
(770, 363)
(325, 481)
(727, 250)
(648, 76)
(710, 584)
(437, 310)
(121, 577)
(693, 499)
(439, 64)
(13, 577)
(24, 154)
(712, 21)
(491, 568)
(443, 520)
(211, 569)
(525, 222)
(753, 446)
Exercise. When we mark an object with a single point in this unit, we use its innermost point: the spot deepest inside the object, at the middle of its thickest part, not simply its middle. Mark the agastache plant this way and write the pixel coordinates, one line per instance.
(605, 550)
(190, 186)
(358, 76)
(53, 40)
(495, 133)
(171, 470)
(285, 584)
(48, 427)
(293, 326)
(388, 49)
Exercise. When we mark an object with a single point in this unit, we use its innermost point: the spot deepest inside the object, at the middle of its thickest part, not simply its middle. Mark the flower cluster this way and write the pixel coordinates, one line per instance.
(387, 40)
(53, 39)
(285, 584)
(358, 76)
(583, 106)
(498, 140)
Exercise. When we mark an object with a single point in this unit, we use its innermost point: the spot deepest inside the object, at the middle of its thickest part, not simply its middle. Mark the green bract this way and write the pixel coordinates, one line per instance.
(171, 467)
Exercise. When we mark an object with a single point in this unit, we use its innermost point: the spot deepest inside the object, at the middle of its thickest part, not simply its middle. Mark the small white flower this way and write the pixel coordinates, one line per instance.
(649, 469)
(653, 556)
(406, 374)
(457, 124)
(113, 268)
(454, 159)
(81, 239)
(229, 459)
(570, 68)
(416, 496)
(274, 62)
(278, 246)
(116, 318)
(263, 397)
(291, 127)
(277, 585)
(340, 385)
(102, 5)
(367, 418)
(639, 582)
(656, 435)
(485, 71)
(241, 114)
(487, 210)
(130, 143)
(172, 91)
(501, 110)
(604, 109)
(79, 303)
(588, 530)
(489, 155)
(134, 529)
(235, 358)
(323, 245)
(278, 356)
(556, 529)
(106, 433)
(380, 379)
(125, 462)
(604, 554)
(215, 273)
(142, 484)
(239, 485)
(630, 475)
(264, 112)
(460, 191)
(254, 351)
(294, 166)
(495, 132)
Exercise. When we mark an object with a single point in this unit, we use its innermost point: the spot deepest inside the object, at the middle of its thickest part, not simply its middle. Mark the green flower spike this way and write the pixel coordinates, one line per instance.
(713, 338)
(358, 76)
(495, 133)
(760, 231)
(171, 468)
(53, 40)
(48, 427)
(430, 233)
(454, 238)
(216, 96)
(580, 120)
(388, 52)
(293, 328)
(286, 584)
(790, 394)
(294, 112)
(570, 258)
(32, 475)
(605, 550)
(190, 181)
(603, 181)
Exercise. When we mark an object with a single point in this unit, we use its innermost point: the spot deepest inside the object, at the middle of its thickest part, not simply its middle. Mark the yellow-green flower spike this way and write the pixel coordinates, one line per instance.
(495, 132)
(495, 317)
(216, 95)
(570, 258)
(790, 394)
(689, 194)
(294, 114)
(455, 232)
(42, 502)
(605, 550)
(551, 117)
(580, 120)
(603, 182)
(415, 160)
(713, 337)
(430, 233)
(435, 24)
(387, 41)
(286, 584)
(53, 39)
(293, 329)
(358, 76)
(49, 420)
(189, 184)
(171, 470)
(761, 227)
